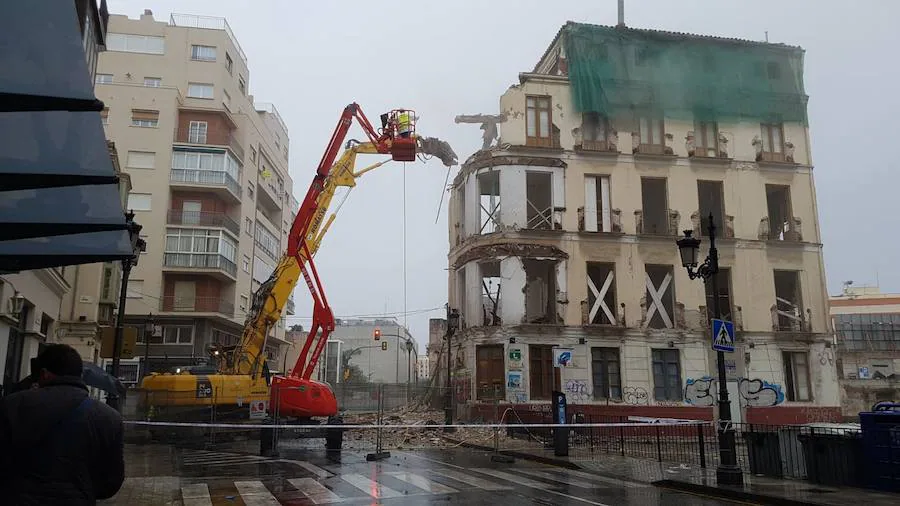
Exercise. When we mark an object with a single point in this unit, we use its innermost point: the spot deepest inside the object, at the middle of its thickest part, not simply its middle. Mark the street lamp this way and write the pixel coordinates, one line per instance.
(728, 472)
(409, 347)
(452, 325)
(138, 246)
(149, 327)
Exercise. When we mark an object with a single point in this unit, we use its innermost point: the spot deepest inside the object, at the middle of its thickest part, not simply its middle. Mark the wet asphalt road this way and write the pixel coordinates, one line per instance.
(223, 476)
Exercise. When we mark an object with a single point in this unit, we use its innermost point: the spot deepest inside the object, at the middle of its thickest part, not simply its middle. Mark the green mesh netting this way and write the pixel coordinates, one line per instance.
(614, 70)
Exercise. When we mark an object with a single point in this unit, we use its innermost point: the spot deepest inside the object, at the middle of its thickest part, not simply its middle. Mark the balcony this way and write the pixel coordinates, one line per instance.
(172, 304)
(270, 197)
(183, 135)
(213, 263)
(218, 181)
(203, 219)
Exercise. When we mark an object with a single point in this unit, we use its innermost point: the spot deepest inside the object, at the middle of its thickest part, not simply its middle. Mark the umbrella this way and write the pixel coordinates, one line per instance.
(97, 377)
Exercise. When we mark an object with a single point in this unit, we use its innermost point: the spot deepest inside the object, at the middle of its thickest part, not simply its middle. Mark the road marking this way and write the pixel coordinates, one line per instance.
(422, 482)
(470, 480)
(196, 495)
(513, 478)
(595, 503)
(547, 475)
(605, 479)
(254, 493)
(316, 470)
(373, 488)
(315, 491)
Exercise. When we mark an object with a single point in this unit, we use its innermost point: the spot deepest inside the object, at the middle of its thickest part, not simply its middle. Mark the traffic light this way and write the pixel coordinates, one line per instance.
(384, 345)
(377, 334)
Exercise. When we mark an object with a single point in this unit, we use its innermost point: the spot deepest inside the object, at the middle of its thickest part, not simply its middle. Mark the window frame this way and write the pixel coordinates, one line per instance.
(671, 390)
(537, 377)
(132, 156)
(487, 359)
(605, 389)
(768, 140)
(155, 82)
(198, 132)
(201, 86)
(102, 79)
(149, 206)
(533, 116)
(198, 53)
(792, 394)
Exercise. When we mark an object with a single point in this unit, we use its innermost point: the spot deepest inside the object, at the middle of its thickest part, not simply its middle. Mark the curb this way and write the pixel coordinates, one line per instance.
(729, 493)
(520, 455)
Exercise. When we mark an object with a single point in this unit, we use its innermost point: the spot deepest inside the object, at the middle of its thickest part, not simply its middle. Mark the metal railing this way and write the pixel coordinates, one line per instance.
(209, 23)
(269, 108)
(202, 218)
(200, 261)
(176, 304)
(206, 178)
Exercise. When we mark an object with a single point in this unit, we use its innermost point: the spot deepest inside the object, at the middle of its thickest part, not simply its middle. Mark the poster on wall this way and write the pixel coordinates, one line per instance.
(514, 380)
(562, 357)
(514, 358)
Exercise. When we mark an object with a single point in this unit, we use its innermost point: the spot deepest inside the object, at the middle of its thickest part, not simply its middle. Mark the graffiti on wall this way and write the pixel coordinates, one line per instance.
(576, 391)
(699, 392)
(636, 396)
(462, 387)
(753, 392)
(756, 392)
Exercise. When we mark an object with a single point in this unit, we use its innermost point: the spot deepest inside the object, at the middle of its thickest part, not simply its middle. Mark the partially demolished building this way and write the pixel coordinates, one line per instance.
(563, 263)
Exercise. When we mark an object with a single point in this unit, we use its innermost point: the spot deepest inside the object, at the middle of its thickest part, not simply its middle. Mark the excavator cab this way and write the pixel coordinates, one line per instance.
(400, 124)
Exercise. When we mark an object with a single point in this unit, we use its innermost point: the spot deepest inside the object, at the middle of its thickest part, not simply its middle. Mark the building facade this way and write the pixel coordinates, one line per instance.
(867, 330)
(210, 181)
(562, 235)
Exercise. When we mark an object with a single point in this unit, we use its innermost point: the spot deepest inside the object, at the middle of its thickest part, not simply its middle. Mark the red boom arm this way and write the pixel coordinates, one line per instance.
(323, 318)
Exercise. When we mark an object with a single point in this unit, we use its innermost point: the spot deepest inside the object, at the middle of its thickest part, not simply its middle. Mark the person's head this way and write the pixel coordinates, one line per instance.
(57, 360)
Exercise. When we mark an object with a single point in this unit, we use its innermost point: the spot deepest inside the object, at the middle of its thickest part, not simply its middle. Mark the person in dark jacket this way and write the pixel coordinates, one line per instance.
(57, 445)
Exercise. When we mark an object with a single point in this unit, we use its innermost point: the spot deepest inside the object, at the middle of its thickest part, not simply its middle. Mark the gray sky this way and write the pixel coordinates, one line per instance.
(459, 56)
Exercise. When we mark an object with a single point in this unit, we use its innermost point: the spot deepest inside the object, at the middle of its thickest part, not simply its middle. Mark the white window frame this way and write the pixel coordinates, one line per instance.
(132, 204)
(152, 82)
(103, 79)
(591, 223)
(200, 52)
(216, 162)
(140, 160)
(245, 264)
(179, 331)
(197, 132)
(200, 241)
(135, 289)
(226, 99)
(266, 240)
(205, 91)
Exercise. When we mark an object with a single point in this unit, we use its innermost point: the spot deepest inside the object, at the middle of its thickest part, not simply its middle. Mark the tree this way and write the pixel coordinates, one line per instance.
(352, 372)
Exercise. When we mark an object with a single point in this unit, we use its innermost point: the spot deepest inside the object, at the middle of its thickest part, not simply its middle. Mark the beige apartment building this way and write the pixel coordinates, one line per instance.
(867, 330)
(210, 182)
(562, 234)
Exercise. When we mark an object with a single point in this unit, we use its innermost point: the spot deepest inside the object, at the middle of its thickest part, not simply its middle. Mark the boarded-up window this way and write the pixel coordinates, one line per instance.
(601, 293)
(660, 296)
(490, 372)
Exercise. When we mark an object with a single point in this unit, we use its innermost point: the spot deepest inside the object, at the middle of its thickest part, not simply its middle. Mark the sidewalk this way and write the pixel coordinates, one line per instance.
(697, 480)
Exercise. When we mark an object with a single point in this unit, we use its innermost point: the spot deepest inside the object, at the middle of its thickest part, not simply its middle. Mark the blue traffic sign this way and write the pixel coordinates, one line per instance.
(722, 335)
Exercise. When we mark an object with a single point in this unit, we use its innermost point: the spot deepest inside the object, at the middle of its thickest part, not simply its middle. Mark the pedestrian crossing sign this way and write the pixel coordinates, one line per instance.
(723, 335)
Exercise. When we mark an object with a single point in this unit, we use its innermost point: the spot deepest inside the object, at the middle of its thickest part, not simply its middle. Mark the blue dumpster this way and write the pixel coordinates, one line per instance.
(881, 446)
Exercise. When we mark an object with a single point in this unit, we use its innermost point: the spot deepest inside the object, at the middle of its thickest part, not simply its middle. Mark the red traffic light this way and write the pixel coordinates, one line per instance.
(377, 334)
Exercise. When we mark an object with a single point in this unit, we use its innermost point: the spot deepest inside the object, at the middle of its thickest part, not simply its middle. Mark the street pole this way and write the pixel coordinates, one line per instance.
(148, 333)
(448, 413)
(728, 471)
(113, 399)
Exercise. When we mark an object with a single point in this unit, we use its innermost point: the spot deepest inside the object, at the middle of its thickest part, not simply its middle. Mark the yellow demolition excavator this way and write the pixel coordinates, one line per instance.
(241, 382)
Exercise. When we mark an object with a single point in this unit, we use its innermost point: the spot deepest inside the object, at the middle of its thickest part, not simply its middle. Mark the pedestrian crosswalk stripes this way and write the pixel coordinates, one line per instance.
(326, 487)
(314, 491)
(254, 493)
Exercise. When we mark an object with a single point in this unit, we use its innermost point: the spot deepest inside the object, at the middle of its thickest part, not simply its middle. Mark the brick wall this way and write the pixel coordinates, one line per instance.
(217, 129)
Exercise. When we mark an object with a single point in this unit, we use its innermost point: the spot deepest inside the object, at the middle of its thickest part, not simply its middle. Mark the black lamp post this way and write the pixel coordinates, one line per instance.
(138, 246)
(728, 472)
(149, 327)
(409, 348)
(452, 325)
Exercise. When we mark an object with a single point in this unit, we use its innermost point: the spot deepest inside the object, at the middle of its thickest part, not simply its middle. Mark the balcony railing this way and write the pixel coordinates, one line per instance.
(183, 135)
(203, 219)
(200, 261)
(197, 305)
(206, 178)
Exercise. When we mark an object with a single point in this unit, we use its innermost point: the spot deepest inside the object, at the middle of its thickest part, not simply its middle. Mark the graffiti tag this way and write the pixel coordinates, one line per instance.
(636, 396)
(826, 357)
(576, 391)
(753, 392)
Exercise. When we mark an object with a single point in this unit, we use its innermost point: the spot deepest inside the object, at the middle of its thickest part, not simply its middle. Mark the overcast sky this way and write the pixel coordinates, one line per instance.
(459, 56)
